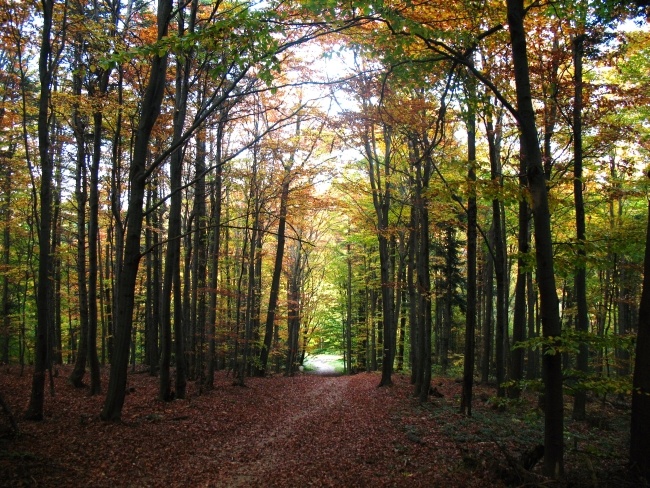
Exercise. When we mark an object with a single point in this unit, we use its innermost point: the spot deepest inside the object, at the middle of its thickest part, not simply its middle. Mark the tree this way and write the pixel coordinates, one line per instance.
(377, 143)
(640, 419)
(552, 365)
(149, 112)
(470, 319)
(279, 256)
(172, 270)
(45, 69)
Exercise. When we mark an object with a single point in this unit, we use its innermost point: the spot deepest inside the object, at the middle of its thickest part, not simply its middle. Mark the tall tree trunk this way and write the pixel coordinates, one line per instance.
(500, 274)
(54, 334)
(37, 398)
(348, 310)
(500, 263)
(519, 315)
(6, 260)
(582, 315)
(414, 334)
(171, 277)
(150, 326)
(448, 296)
(293, 310)
(488, 312)
(149, 112)
(640, 418)
(379, 171)
(552, 365)
(470, 314)
(277, 273)
(79, 371)
(216, 196)
(200, 264)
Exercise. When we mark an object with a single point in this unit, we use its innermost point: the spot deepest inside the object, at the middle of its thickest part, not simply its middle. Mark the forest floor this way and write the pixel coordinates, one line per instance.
(306, 430)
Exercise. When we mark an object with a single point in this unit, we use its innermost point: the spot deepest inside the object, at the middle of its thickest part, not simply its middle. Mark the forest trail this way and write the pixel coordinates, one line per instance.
(270, 444)
(306, 430)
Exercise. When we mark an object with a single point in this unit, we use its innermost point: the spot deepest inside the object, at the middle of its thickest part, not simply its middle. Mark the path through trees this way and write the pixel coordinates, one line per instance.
(288, 431)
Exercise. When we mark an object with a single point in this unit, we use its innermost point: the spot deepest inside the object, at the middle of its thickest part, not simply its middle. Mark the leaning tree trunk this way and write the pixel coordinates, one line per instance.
(379, 171)
(552, 365)
(277, 273)
(149, 112)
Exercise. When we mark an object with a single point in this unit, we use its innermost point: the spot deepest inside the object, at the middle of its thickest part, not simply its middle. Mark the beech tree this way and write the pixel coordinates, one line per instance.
(46, 65)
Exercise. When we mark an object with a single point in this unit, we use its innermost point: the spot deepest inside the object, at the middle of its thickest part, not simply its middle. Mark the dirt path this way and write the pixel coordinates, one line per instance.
(308, 430)
(283, 444)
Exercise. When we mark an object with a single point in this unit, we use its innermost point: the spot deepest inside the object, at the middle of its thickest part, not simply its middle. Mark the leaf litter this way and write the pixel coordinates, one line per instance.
(306, 430)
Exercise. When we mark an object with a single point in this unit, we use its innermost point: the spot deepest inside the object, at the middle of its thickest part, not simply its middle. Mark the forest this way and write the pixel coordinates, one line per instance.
(453, 196)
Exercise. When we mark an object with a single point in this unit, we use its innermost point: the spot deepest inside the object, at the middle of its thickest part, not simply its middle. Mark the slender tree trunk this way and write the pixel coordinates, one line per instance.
(488, 319)
(532, 363)
(348, 308)
(501, 324)
(277, 273)
(54, 334)
(470, 316)
(640, 419)
(36, 401)
(201, 255)
(552, 365)
(447, 300)
(293, 310)
(214, 253)
(414, 330)
(171, 278)
(6, 260)
(149, 112)
(519, 316)
(500, 264)
(79, 371)
(582, 315)
(379, 171)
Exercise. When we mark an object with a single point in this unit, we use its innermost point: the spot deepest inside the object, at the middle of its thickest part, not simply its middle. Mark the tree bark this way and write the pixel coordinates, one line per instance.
(640, 418)
(552, 366)
(149, 112)
(277, 273)
(379, 172)
(470, 314)
(79, 371)
(216, 196)
(36, 401)
(580, 283)
(519, 315)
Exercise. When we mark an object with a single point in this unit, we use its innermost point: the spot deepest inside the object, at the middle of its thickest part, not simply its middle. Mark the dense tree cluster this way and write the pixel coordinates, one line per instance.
(424, 186)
